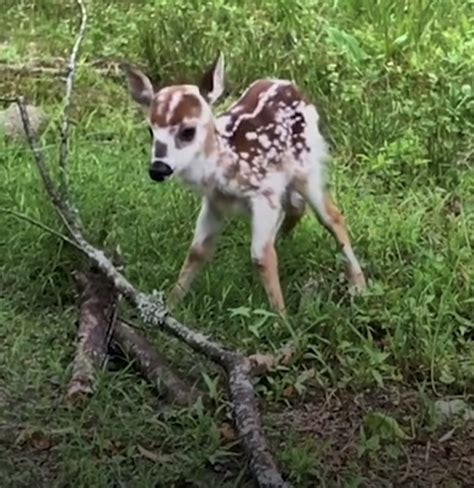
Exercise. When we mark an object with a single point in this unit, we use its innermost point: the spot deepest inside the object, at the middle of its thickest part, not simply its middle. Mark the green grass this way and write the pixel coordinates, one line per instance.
(394, 82)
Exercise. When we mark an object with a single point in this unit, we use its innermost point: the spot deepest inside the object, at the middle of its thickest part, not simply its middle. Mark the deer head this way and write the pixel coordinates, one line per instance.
(180, 119)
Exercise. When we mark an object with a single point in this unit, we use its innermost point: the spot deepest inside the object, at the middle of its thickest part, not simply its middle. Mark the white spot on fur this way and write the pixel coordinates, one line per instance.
(272, 153)
(264, 141)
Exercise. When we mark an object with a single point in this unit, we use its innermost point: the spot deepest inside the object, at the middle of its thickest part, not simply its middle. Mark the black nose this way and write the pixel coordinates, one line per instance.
(159, 171)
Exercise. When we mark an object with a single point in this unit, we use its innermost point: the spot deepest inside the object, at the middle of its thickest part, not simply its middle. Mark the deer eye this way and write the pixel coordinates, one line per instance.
(187, 134)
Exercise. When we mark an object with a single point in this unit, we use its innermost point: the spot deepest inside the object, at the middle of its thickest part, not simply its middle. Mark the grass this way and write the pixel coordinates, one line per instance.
(393, 80)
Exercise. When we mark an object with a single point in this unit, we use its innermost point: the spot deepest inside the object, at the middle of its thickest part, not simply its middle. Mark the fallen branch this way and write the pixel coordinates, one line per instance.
(40, 225)
(98, 301)
(153, 367)
(31, 69)
(153, 312)
(58, 69)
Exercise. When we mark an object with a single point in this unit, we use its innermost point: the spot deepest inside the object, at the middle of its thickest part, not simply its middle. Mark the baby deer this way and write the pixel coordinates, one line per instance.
(264, 157)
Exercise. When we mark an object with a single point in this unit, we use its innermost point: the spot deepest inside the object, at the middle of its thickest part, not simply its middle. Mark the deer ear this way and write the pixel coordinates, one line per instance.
(212, 82)
(139, 85)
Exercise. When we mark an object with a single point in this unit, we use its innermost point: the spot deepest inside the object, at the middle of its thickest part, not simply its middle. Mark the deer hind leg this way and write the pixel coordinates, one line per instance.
(208, 224)
(266, 221)
(332, 219)
(295, 207)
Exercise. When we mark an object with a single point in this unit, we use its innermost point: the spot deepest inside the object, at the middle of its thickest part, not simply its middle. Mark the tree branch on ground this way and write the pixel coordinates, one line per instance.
(58, 68)
(98, 300)
(152, 365)
(153, 311)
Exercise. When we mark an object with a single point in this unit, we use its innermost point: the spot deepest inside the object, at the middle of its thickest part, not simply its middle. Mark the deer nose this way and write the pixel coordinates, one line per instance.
(159, 170)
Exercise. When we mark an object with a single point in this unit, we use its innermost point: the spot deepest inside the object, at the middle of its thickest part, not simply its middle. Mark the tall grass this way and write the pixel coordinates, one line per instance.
(394, 80)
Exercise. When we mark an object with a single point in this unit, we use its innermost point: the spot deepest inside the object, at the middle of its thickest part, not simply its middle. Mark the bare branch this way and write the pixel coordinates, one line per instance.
(57, 69)
(64, 211)
(98, 299)
(247, 421)
(8, 100)
(153, 312)
(153, 367)
(152, 308)
(64, 130)
(37, 223)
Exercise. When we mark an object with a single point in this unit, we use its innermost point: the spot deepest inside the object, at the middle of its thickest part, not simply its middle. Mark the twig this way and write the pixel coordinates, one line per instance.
(405, 475)
(31, 69)
(110, 68)
(153, 312)
(37, 223)
(239, 368)
(8, 100)
(62, 209)
(64, 130)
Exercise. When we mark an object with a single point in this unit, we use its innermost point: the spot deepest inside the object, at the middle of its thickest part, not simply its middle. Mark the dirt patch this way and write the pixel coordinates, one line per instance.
(420, 453)
(26, 458)
(324, 441)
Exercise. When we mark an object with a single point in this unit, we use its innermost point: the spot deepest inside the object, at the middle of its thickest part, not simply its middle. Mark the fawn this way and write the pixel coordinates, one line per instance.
(264, 157)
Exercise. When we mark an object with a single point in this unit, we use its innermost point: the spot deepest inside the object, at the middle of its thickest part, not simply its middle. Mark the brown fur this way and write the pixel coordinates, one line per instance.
(265, 122)
(336, 224)
(189, 106)
(195, 260)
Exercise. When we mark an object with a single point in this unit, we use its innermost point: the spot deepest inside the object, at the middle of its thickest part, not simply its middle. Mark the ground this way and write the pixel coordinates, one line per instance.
(358, 405)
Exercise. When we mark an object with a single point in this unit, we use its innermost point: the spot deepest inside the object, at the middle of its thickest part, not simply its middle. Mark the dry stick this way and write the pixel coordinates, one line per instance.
(64, 130)
(63, 209)
(40, 225)
(149, 361)
(153, 312)
(8, 99)
(153, 367)
(31, 69)
(98, 298)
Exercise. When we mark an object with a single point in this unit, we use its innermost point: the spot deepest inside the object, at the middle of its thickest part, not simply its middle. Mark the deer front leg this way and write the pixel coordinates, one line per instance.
(265, 223)
(207, 227)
